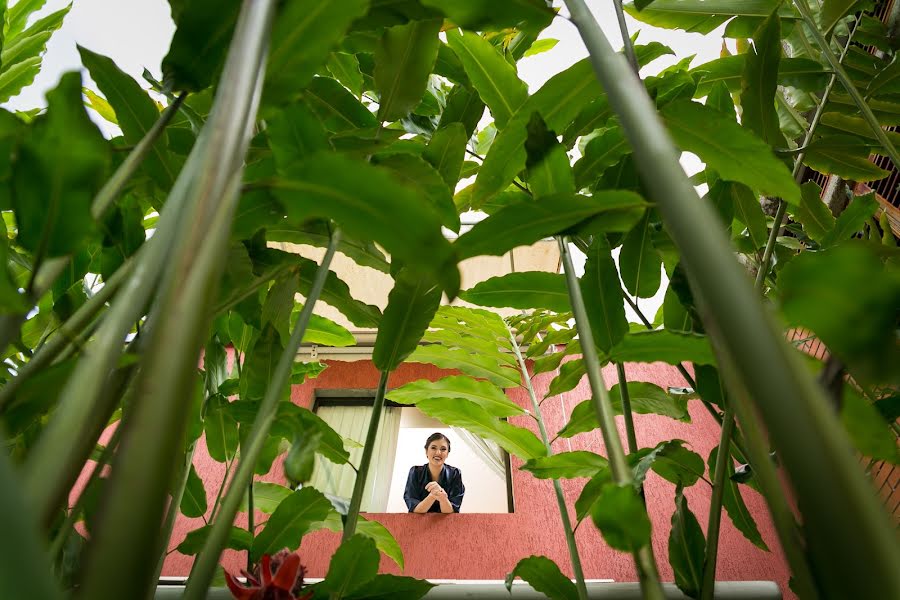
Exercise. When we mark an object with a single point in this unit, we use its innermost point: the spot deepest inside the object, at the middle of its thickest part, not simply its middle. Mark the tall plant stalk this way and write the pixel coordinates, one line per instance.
(622, 475)
(862, 553)
(205, 565)
(715, 508)
(630, 434)
(557, 488)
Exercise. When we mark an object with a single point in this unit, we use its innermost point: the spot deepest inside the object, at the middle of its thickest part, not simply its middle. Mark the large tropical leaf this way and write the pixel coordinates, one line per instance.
(566, 465)
(663, 346)
(802, 73)
(529, 289)
(411, 306)
(404, 60)
(474, 365)
(602, 293)
(760, 81)
(203, 29)
(528, 15)
(483, 393)
(291, 521)
(640, 263)
(687, 548)
(699, 16)
(23, 50)
(543, 575)
(621, 517)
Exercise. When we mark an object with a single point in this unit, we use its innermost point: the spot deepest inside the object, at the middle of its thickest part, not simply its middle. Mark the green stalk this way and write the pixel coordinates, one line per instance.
(798, 169)
(557, 488)
(362, 472)
(66, 332)
(627, 46)
(114, 186)
(707, 589)
(205, 565)
(251, 527)
(626, 409)
(622, 475)
(862, 553)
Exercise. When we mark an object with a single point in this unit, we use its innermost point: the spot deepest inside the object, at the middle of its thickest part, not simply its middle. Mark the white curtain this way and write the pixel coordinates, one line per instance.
(353, 422)
(486, 450)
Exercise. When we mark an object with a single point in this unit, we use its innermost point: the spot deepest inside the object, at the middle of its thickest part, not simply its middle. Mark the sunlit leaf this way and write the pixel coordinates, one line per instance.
(483, 393)
(544, 576)
(291, 521)
(566, 465)
(529, 289)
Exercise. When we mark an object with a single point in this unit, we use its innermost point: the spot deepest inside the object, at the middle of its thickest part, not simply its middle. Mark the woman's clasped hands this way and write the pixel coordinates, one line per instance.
(435, 491)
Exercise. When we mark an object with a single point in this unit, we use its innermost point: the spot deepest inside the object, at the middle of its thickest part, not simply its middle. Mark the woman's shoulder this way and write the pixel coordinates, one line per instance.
(452, 471)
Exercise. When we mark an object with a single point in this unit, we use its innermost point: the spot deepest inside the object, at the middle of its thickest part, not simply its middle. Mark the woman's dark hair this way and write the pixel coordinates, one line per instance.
(435, 437)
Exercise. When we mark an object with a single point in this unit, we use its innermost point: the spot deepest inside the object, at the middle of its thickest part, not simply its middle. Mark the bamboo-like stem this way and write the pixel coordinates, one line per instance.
(557, 488)
(861, 555)
(622, 475)
(362, 473)
(627, 46)
(205, 565)
(251, 527)
(114, 186)
(630, 434)
(707, 589)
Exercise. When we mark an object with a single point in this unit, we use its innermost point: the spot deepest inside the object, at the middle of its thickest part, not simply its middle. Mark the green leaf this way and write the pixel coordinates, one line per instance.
(336, 293)
(525, 223)
(813, 213)
(540, 46)
(734, 503)
(61, 165)
(529, 289)
(303, 35)
(411, 306)
(300, 459)
(544, 576)
(370, 205)
(687, 548)
(671, 461)
(833, 11)
(464, 106)
(748, 211)
(485, 394)
(566, 465)
(392, 587)
(870, 433)
(136, 113)
(345, 68)
(700, 16)
(326, 332)
(22, 51)
(602, 294)
(193, 502)
(646, 398)
(17, 15)
(203, 30)
(417, 174)
(600, 153)
(384, 541)
(238, 539)
(663, 346)
(860, 209)
(760, 81)
(295, 133)
(527, 15)
(404, 59)
(495, 79)
(457, 412)
(621, 517)
(474, 365)
(336, 107)
(844, 156)
(276, 310)
(729, 149)
(445, 152)
(802, 73)
(291, 521)
(352, 566)
(570, 374)
(267, 496)
(331, 444)
(259, 365)
(221, 430)
(639, 261)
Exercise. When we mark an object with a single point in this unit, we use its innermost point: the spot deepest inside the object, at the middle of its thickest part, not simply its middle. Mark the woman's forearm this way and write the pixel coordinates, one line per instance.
(446, 507)
(424, 505)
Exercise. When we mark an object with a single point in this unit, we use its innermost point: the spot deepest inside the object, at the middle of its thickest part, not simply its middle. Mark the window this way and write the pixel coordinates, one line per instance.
(400, 445)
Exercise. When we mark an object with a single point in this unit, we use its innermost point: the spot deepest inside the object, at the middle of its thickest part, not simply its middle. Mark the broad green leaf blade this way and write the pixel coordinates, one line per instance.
(464, 106)
(238, 539)
(345, 68)
(193, 502)
(203, 30)
(640, 263)
(495, 79)
(527, 15)
(646, 398)
(17, 16)
(392, 587)
(700, 16)
(411, 306)
(62, 164)
(870, 433)
(325, 332)
(602, 294)
(570, 374)
(136, 113)
(384, 541)
(404, 59)
(303, 35)
(295, 133)
(471, 364)
(23, 51)
(291, 521)
(566, 465)
(457, 412)
(673, 462)
(337, 294)
(221, 430)
(812, 213)
(370, 205)
(485, 394)
(353, 565)
(472, 344)
(417, 174)
(734, 504)
(803, 73)
(844, 156)
(600, 153)
(337, 108)
(331, 444)
(621, 517)
(735, 153)
(525, 223)
(760, 82)
(259, 365)
(833, 11)
(853, 218)
(446, 150)
(544, 576)
(529, 289)
(687, 548)
(267, 496)
(748, 211)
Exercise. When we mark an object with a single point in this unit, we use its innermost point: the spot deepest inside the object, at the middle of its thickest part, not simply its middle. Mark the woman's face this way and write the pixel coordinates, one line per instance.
(437, 452)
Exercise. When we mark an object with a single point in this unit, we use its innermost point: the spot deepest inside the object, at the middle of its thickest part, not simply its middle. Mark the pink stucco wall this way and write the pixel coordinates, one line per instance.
(487, 546)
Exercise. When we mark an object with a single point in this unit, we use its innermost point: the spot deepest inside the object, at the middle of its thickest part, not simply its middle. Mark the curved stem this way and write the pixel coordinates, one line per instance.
(557, 488)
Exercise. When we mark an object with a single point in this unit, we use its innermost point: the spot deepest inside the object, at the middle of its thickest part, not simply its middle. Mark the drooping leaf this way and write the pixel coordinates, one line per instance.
(852, 219)
(760, 81)
(566, 465)
(411, 306)
(602, 293)
(457, 412)
(645, 398)
(640, 262)
(870, 433)
(621, 517)
(221, 430)
(464, 106)
(336, 107)
(326, 332)
(700, 16)
(570, 374)
(446, 150)
(528, 289)
(193, 502)
(815, 216)
(844, 156)
(404, 60)
(238, 539)
(802, 73)
(748, 211)
(384, 541)
(495, 79)
(733, 152)
(471, 364)
(345, 68)
(734, 504)
(833, 11)
(337, 294)
(687, 548)
(392, 587)
(418, 175)
(664, 346)
(353, 565)
(483, 393)
(295, 133)
(528, 15)
(544, 576)
(291, 521)
(673, 462)
(203, 30)
(259, 365)
(600, 153)
(267, 496)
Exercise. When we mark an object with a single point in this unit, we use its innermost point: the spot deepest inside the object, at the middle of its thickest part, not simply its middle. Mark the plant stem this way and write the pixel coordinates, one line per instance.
(626, 409)
(205, 565)
(862, 552)
(362, 472)
(114, 186)
(627, 46)
(250, 518)
(622, 475)
(557, 488)
(707, 589)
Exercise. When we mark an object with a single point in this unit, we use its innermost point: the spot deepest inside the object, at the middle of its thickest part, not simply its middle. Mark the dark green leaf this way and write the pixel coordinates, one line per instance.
(464, 106)
(570, 374)
(336, 107)
(812, 213)
(259, 365)
(411, 306)
(600, 153)
(687, 548)
(528, 15)
(474, 365)
(483, 393)
(295, 133)
(664, 346)
(870, 433)
(673, 462)
(203, 30)
(760, 82)
(392, 587)
(530, 289)
(353, 565)
(853, 218)
(734, 503)
(621, 517)
(748, 211)
(844, 156)
(193, 502)
(802, 73)
(417, 174)
(291, 521)
(445, 152)
(566, 465)
(602, 293)
(404, 60)
(345, 68)
(238, 539)
(300, 459)
(640, 262)
(833, 11)
(221, 430)
(544, 576)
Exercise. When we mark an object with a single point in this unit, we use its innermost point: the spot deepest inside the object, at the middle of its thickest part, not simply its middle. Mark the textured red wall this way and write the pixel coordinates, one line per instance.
(487, 546)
